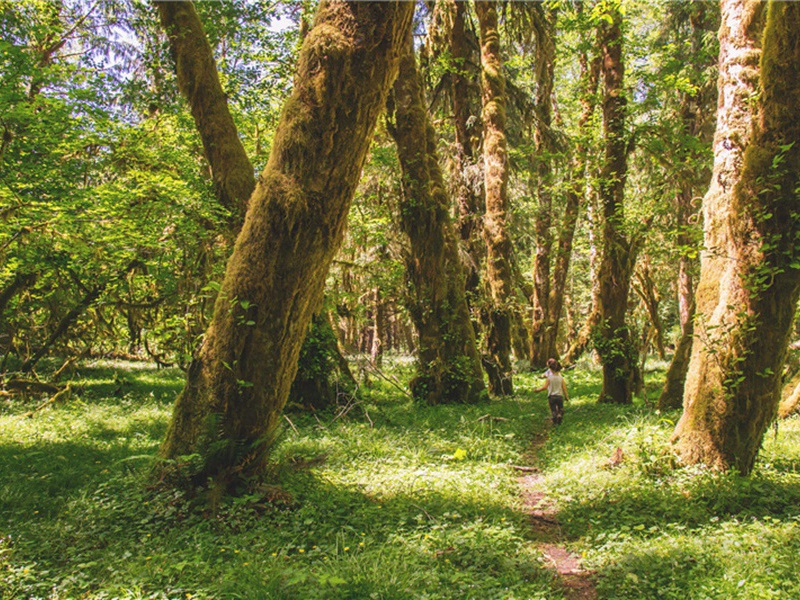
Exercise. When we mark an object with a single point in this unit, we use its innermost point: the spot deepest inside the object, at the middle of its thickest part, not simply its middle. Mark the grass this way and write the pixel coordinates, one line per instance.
(408, 502)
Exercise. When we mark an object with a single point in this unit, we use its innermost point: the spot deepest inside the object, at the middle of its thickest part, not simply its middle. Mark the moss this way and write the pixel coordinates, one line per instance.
(294, 226)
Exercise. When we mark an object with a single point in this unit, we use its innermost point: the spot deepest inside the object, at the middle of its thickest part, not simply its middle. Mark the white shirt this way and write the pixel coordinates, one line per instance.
(555, 384)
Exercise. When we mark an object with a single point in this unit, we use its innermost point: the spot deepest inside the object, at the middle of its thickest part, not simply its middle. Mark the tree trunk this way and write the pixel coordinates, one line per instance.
(646, 289)
(239, 381)
(198, 81)
(672, 393)
(322, 371)
(576, 195)
(468, 190)
(495, 230)
(611, 337)
(448, 367)
(542, 337)
(378, 328)
(750, 269)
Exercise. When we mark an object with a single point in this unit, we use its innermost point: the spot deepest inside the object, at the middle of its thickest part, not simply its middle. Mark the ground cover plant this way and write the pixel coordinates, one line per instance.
(390, 500)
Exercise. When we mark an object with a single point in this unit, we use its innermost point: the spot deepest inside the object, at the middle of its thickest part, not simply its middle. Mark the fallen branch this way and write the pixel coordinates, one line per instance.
(491, 418)
(396, 384)
(25, 386)
(63, 394)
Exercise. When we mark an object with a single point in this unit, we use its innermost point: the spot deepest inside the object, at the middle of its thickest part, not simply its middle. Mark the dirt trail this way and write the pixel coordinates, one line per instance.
(577, 582)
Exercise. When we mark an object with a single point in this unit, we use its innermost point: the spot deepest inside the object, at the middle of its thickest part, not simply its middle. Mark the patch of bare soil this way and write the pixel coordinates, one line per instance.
(576, 581)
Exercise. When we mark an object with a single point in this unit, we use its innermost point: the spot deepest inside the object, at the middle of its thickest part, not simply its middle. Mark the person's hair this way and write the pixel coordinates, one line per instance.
(553, 365)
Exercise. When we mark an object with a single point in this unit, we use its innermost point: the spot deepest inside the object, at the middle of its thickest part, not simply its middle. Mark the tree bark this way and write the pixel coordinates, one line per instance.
(239, 381)
(750, 268)
(542, 336)
(499, 277)
(198, 80)
(448, 367)
(612, 337)
(468, 191)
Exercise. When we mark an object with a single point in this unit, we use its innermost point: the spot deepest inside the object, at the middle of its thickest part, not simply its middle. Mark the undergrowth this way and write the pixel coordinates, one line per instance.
(386, 500)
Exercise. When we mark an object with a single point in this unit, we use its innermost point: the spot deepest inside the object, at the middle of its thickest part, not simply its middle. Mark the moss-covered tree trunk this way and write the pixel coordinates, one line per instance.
(499, 277)
(448, 363)
(611, 336)
(750, 268)
(542, 337)
(239, 381)
(199, 83)
(469, 199)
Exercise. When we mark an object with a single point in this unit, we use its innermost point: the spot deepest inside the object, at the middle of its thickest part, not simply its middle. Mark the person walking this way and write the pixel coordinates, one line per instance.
(556, 390)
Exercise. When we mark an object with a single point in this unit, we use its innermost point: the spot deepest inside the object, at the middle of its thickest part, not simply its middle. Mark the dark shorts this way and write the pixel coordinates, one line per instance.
(556, 408)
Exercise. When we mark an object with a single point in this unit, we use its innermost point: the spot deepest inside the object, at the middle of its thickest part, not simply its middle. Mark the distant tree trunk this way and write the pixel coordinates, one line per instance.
(544, 322)
(448, 367)
(198, 81)
(468, 197)
(694, 110)
(672, 393)
(322, 372)
(646, 289)
(612, 338)
(750, 268)
(239, 381)
(576, 194)
(495, 230)
(379, 328)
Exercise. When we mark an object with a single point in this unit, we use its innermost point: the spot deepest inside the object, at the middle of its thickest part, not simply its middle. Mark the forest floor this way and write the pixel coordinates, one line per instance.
(578, 582)
(391, 500)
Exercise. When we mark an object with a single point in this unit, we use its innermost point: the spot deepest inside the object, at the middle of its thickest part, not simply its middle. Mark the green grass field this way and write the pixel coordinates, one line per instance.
(391, 500)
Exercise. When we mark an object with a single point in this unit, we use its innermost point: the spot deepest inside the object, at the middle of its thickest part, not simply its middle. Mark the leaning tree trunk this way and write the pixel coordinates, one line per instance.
(495, 230)
(448, 367)
(239, 381)
(612, 338)
(750, 268)
(199, 83)
(232, 172)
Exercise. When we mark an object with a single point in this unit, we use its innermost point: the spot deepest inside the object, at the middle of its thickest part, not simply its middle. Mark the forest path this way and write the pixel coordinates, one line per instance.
(577, 582)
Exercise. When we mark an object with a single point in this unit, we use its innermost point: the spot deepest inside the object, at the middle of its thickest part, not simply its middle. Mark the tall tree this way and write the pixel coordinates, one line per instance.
(469, 199)
(750, 267)
(448, 367)
(612, 338)
(544, 322)
(198, 81)
(499, 278)
(239, 381)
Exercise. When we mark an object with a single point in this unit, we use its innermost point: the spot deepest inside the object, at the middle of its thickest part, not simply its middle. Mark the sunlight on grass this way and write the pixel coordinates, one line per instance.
(391, 501)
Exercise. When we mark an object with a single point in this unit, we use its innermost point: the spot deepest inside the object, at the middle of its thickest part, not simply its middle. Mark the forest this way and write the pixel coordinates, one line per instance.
(390, 300)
